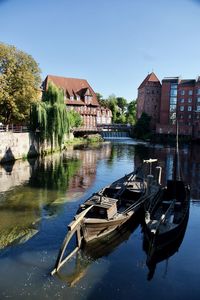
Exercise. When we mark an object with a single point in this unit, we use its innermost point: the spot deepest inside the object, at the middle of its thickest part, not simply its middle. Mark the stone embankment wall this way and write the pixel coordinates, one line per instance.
(14, 145)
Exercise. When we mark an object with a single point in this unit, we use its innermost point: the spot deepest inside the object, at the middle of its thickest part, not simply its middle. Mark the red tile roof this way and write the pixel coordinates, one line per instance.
(150, 78)
(72, 86)
(74, 102)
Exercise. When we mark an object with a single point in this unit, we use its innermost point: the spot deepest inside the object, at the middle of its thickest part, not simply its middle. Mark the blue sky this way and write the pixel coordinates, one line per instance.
(111, 43)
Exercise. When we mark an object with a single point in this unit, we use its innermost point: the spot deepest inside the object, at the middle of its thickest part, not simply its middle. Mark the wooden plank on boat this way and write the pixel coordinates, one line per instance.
(78, 218)
(64, 261)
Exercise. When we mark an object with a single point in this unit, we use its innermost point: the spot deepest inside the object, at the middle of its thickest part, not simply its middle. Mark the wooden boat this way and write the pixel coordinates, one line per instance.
(158, 252)
(109, 209)
(113, 206)
(166, 216)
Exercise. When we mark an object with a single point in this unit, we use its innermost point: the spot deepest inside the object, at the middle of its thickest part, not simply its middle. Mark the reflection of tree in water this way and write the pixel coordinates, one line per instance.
(142, 152)
(135, 153)
(21, 209)
(118, 151)
(19, 217)
(112, 156)
(53, 174)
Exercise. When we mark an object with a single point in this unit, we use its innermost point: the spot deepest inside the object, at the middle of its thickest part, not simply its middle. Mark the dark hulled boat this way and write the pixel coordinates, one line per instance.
(164, 219)
(166, 216)
(157, 253)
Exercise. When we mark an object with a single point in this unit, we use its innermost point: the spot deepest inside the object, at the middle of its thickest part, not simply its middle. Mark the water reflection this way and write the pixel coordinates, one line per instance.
(38, 188)
(38, 198)
(158, 253)
(77, 268)
(189, 161)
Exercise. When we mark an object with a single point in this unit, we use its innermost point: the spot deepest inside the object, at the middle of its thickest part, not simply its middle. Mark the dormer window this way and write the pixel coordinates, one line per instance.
(88, 99)
(78, 97)
(71, 97)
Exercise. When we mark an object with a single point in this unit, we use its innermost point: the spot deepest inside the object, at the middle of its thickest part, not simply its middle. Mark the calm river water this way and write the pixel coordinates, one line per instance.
(38, 198)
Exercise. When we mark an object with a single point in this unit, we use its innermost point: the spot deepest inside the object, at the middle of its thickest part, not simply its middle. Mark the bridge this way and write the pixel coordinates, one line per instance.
(106, 130)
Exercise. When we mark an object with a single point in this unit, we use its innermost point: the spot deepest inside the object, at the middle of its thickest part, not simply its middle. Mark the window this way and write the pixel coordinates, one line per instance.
(181, 108)
(190, 100)
(189, 108)
(182, 92)
(78, 97)
(198, 91)
(174, 86)
(198, 107)
(172, 108)
(189, 116)
(71, 97)
(198, 99)
(173, 100)
(190, 92)
(173, 92)
(182, 100)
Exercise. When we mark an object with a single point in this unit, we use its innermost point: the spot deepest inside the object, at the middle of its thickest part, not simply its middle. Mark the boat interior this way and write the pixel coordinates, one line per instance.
(110, 202)
(173, 197)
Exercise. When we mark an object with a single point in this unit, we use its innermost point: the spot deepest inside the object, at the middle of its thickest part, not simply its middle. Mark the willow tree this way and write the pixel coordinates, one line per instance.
(49, 117)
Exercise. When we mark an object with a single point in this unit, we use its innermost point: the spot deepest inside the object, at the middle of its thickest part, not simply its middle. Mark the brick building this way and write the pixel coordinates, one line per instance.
(180, 99)
(148, 99)
(177, 99)
(79, 95)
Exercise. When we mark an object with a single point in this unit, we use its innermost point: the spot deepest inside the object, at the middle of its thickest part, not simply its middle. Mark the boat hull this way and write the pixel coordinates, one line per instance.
(97, 228)
(169, 232)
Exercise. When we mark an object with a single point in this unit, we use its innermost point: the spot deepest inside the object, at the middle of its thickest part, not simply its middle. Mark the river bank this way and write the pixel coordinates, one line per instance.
(23, 145)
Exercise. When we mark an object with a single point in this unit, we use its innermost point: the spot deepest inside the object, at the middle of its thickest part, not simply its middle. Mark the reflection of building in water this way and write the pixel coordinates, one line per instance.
(194, 174)
(169, 166)
(189, 163)
(85, 176)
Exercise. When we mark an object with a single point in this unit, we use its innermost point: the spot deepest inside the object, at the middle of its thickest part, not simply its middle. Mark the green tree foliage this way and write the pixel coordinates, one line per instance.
(19, 84)
(74, 118)
(122, 111)
(50, 116)
(122, 104)
(99, 97)
(112, 105)
(131, 112)
(102, 102)
(142, 126)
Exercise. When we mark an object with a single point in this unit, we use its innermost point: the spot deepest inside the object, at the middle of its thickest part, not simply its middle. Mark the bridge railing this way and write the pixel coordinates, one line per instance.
(114, 126)
(13, 128)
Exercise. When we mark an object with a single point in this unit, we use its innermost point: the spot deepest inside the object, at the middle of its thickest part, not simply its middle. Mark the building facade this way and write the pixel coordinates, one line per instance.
(177, 99)
(180, 100)
(148, 99)
(79, 95)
